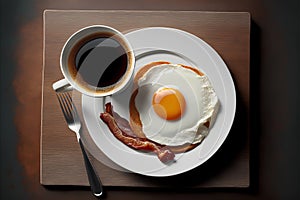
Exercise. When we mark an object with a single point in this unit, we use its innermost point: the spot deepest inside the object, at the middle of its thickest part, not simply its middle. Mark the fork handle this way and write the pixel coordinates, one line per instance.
(94, 181)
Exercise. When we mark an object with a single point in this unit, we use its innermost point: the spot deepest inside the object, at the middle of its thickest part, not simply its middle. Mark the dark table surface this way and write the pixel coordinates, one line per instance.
(275, 139)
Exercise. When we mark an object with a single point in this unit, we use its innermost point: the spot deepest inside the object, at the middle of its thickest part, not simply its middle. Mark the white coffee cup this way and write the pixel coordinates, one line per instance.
(97, 61)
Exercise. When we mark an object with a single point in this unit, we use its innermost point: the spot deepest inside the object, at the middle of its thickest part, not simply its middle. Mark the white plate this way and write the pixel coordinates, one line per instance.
(175, 46)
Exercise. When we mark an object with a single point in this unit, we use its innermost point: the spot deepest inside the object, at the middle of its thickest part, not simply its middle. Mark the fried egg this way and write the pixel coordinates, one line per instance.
(175, 104)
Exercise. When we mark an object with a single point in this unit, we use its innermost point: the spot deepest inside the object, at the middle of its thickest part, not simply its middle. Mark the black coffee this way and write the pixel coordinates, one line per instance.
(101, 62)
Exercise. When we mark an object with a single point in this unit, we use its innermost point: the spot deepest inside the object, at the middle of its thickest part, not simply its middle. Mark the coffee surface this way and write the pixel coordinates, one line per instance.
(101, 62)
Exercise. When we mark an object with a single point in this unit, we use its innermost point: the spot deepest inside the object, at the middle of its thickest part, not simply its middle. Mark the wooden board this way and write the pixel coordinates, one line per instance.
(61, 162)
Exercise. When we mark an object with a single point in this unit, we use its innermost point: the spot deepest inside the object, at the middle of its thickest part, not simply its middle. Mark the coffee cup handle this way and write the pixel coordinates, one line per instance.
(62, 86)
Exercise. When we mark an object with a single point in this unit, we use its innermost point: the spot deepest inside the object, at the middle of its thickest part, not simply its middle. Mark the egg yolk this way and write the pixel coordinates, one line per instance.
(168, 103)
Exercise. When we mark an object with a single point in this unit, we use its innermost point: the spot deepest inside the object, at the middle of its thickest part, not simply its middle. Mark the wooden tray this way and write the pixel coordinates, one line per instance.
(61, 162)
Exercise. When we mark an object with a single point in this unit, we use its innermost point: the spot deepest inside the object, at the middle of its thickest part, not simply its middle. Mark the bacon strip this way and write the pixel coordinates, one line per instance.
(163, 153)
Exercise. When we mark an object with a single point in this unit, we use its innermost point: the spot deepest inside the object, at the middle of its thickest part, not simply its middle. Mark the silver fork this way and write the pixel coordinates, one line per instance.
(72, 118)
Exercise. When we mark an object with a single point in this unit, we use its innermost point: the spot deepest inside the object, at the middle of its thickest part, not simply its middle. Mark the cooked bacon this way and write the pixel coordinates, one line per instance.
(122, 123)
(164, 153)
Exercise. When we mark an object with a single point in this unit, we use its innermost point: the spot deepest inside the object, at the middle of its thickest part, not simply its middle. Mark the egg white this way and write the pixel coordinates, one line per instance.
(201, 105)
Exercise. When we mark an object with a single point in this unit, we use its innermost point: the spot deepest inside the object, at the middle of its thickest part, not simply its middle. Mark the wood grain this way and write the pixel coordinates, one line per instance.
(61, 161)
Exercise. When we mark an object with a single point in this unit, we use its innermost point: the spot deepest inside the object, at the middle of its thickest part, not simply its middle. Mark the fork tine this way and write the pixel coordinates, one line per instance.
(62, 105)
(67, 103)
(68, 107)
(73, 107)
(67, 111)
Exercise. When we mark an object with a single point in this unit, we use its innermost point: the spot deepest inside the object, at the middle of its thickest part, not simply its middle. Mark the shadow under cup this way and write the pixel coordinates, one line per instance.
(97, 61)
